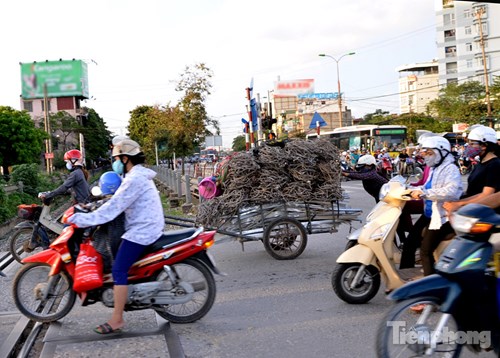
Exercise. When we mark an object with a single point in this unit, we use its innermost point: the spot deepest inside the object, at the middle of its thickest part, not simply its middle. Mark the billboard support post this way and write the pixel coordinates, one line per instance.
(48, 142)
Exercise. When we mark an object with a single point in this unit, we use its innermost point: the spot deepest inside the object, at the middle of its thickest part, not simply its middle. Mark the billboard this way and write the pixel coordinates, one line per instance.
(294, 87)
(63, 79)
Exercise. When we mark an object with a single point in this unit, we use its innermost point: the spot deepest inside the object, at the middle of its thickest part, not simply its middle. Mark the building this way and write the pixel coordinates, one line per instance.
(418, 85)
(460, 56)
(61, 86)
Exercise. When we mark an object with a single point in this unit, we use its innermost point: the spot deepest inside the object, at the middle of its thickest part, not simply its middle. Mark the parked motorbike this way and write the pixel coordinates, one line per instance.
(173, 276)
(372, 253)
(460, 302)
(35, 233)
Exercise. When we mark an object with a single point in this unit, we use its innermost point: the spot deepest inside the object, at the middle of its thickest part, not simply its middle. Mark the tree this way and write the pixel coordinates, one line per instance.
(97, 136)
(239, 143)
(20, 141)
(460, 102)
(179, 128)
(192, 121)
(64, 123)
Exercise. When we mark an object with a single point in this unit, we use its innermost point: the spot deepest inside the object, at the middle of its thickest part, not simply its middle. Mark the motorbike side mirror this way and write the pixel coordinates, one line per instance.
(96, 191)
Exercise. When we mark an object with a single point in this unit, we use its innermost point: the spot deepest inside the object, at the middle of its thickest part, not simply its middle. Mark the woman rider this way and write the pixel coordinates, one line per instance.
(138, 198)
(484, 179)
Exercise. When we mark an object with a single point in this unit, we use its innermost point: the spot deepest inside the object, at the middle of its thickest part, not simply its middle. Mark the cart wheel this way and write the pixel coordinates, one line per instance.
(285, 239)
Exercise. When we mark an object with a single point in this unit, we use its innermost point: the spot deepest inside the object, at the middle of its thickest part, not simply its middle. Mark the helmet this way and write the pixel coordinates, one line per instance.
(117, 139)
(74, 156)
(109, 183)
(425, 135)
(436, 142)
(367, 159)
(126, 147)
(483, 134)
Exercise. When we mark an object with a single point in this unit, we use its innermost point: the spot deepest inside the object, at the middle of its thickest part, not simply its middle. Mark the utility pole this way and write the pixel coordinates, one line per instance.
(48, 142)
(479, 13)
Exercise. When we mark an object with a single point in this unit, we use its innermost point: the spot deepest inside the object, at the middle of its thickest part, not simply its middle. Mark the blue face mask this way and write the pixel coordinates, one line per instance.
(118, 167)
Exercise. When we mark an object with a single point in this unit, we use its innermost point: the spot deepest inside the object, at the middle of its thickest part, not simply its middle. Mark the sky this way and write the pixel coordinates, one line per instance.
(137, 50)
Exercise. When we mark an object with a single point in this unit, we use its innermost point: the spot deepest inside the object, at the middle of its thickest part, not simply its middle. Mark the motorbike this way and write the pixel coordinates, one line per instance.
(36, 232)
(466, 165)
(373, 252)
(385, 167)
(459, 304)
(174, 276)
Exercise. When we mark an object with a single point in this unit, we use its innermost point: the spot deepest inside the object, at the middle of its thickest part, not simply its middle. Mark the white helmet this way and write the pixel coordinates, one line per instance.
(483, 134)
(126, 147)
(425, 135)
(436, 142)
(367, 159)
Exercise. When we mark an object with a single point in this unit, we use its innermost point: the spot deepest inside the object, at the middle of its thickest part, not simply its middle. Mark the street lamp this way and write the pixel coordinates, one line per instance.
(338, 80)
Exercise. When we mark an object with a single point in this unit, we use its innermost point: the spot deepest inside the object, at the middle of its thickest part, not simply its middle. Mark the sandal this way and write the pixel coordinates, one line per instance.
(105, 328)
(418, 308)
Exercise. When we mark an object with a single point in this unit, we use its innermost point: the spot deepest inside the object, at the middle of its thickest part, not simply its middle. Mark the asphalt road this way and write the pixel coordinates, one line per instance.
(264, 307)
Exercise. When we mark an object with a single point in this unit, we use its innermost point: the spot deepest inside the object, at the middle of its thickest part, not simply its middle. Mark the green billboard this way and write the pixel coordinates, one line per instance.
(63, 79)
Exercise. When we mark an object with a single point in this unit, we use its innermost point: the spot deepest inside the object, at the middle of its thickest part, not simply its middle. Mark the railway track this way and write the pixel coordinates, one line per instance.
(29, 339)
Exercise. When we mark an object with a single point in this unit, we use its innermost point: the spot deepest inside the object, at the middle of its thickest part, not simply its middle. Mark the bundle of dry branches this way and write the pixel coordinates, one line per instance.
(299, 171)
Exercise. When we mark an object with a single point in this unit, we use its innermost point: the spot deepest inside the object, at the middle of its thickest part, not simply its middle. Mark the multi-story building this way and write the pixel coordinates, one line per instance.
(460, 54)
(418, 85)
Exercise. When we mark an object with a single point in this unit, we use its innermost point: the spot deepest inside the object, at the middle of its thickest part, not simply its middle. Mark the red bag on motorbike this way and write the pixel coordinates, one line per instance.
(88, 269)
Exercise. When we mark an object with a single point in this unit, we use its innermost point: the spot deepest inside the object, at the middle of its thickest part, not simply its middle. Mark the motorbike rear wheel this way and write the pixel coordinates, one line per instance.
(285, 239)
(32, 282)
(200, 277)
(367, 288)
(19, 241)
(405, 333)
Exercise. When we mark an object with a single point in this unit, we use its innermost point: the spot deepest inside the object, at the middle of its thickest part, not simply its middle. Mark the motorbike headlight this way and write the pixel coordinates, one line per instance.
(380, 232)
(383, 191)
(466, 224)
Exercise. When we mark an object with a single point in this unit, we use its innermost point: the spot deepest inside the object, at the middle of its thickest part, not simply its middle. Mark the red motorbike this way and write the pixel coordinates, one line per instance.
(385, 167)
(173, 277)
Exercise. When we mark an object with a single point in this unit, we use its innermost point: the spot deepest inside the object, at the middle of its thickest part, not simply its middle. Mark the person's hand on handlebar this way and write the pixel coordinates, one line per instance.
(416, 194)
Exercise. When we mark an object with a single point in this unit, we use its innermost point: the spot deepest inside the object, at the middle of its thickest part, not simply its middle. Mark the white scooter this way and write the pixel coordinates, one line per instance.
(371, 252)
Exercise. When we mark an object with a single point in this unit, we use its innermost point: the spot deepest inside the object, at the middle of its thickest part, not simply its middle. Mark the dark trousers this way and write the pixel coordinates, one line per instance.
(430, 242)
(413, 242)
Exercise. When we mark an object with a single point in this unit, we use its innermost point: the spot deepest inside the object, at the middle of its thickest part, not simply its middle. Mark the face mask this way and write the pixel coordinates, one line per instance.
(472, 151)
(69, 166)
(118, 167)
(430, 160)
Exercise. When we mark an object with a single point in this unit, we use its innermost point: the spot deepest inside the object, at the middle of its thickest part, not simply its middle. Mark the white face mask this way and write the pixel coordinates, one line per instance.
(69, 166)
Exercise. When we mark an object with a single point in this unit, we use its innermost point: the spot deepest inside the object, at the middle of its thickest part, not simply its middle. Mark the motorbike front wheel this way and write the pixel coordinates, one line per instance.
(19, 243)
(364, 291)
(406, 333)
(41, 297)
(200, 277)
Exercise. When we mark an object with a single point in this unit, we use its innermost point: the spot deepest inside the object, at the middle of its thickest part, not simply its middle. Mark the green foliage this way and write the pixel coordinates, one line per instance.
(28, 175)
(20, 141)
(179, 128)
(463, 102)
(239, 143)
(8, 208)
(97, 137)
(66, 126)
(4, 208)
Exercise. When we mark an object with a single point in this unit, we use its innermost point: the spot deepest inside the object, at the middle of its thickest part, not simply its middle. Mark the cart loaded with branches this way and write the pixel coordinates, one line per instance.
(277, 193)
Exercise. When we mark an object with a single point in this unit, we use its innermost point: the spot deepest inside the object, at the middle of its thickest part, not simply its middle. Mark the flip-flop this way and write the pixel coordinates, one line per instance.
(105, 328)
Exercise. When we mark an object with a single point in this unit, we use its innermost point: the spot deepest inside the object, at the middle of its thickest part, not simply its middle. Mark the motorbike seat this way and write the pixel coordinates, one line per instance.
(169, 237)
